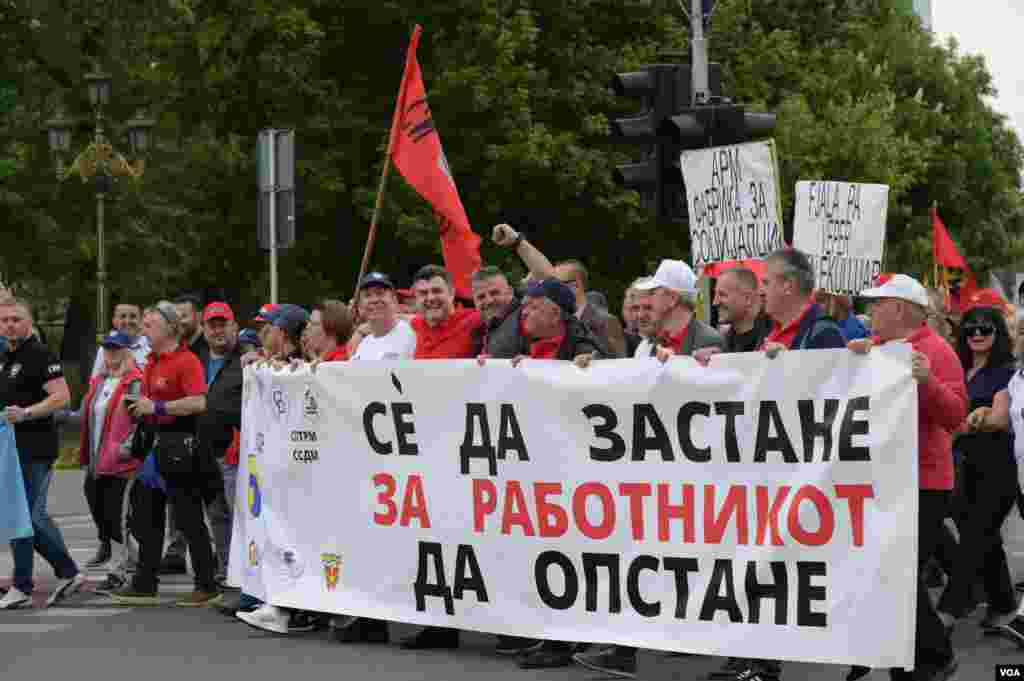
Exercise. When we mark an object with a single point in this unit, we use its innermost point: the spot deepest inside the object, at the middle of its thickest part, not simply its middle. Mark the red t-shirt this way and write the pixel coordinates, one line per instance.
(170, 376)
(546, 348)
(787, 335)
(674, 340)
(339, 354)
(454, 338)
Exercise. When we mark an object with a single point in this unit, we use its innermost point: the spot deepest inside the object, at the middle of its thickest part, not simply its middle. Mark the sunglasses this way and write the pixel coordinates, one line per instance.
(979, 330)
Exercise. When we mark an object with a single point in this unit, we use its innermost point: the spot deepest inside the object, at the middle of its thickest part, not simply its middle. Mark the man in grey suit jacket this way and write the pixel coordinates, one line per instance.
(605, 326)
(668, 301)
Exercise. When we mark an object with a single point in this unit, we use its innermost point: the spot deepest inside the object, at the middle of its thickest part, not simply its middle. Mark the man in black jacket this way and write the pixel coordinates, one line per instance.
(222, 363)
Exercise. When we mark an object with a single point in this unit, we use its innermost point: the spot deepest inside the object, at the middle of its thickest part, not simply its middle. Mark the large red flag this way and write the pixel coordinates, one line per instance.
(417, 153)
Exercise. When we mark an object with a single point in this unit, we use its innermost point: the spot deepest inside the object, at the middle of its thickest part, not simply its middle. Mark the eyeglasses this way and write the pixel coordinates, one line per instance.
(979, 330)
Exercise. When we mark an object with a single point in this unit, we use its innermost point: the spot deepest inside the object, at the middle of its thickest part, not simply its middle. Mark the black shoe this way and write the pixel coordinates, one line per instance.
(857, 672)
(615, 661)
(432, 638)
(739, 669)
(550, 655)
(1019, 586)
(933, 673)
(229, 604)
(110, 585)
(359, 630)
(102, 556)
(1014, 631)
(515, 645)
(302, 621)
(173, 565)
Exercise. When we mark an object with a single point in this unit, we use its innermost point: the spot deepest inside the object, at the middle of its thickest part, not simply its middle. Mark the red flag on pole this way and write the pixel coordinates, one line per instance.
(417, 153)
(945, 254)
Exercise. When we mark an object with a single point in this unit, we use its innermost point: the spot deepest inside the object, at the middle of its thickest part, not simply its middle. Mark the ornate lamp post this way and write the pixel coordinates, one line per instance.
(101, 163)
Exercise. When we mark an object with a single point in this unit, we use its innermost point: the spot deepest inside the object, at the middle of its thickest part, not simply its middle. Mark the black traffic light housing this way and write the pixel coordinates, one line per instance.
(670, 124)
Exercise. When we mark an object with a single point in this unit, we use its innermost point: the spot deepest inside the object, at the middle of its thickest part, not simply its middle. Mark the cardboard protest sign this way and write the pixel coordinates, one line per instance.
(841, 226)
(733, 201)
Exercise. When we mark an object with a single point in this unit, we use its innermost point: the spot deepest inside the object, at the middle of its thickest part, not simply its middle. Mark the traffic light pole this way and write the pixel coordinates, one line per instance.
(272, 214)
(699, 69)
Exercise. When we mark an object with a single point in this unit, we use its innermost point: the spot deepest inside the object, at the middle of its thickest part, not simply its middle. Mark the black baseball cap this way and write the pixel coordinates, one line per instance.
(375, 279)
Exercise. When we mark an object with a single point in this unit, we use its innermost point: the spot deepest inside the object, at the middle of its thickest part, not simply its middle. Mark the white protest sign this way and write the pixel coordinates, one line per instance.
(733, 202)
(841, 227)
(755, 508)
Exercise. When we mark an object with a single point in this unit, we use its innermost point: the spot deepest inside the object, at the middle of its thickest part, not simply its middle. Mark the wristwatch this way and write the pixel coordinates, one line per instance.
(518, 240)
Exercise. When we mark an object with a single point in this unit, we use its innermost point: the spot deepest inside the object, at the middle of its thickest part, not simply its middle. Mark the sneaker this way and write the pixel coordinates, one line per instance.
(750, 670)
(1019, 586)
(611, 661)
(129, 595)
(729, 669)
(197, 599)
(1014, 631)
(267, 617)
(15, 599)
(65, 588)
(515, 645)
(110, 585)
(301, 622)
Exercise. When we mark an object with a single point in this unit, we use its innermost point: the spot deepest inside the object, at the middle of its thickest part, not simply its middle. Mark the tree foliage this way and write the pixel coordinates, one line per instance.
(519, 91)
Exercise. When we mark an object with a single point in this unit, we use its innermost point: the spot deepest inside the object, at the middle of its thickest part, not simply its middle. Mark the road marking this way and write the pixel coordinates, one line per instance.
(82, 611)
(32, 628)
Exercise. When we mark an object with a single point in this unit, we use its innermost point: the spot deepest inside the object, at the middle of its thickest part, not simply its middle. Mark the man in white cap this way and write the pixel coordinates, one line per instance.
(900, 313)
(665, 313)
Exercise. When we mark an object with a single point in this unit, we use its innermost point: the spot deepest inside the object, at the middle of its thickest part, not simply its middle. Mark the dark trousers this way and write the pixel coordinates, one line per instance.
(105, 496)
(187, 494)
(990, 491)
(933, 646)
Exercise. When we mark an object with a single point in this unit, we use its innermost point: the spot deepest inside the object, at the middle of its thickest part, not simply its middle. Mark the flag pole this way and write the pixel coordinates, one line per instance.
(371, 237)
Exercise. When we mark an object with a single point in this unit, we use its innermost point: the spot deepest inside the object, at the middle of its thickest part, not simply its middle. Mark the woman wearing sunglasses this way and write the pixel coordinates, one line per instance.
(989, 471)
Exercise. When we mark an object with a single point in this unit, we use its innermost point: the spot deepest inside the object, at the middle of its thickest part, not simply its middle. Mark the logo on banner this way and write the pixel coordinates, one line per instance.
(255, 493)
(254, 555)
(332, 569)
(280, 400)
(260, 439)
(291, 564)
(310, 406)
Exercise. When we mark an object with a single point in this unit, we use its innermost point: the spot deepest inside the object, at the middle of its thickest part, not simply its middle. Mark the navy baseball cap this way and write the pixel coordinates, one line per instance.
(117, 340)
(375, 279)
(250, 337)
(555, 291)
(291, 319)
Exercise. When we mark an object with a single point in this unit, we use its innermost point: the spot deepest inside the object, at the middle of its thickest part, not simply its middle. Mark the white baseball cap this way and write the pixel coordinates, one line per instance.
(671, 274)
(899, 286)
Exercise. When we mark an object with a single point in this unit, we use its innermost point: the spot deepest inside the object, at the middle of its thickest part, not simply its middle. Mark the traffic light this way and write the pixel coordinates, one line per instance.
(716, 125)
(665, 90)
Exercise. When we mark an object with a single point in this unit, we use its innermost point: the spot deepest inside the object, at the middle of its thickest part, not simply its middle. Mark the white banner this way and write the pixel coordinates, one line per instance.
(756, 508)
(732, 194)
(841, 226)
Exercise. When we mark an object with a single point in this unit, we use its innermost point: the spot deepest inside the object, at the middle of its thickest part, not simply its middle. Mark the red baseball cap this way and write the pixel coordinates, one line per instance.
(218, 310)
(266, 313)
(985, 297)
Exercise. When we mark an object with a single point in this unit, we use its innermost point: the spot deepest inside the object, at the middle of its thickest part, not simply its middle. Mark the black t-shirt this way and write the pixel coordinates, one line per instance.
(751, 340)
(23, 373)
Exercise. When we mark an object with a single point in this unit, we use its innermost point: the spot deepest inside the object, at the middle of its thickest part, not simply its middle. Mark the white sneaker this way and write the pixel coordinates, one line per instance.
(267, 617)
(65, 588)
(14, 599)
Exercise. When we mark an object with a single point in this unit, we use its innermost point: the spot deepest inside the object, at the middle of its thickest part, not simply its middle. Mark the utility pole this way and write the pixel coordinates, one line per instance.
(699, 69)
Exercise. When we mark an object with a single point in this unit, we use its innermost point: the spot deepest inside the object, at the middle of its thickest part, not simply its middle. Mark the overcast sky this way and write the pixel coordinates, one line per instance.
(992, 28)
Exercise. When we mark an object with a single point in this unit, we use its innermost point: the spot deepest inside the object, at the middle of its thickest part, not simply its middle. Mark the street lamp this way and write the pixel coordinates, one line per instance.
(101, 163)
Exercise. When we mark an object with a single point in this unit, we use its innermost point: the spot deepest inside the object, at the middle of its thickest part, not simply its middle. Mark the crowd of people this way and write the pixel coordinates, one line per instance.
(161, 420)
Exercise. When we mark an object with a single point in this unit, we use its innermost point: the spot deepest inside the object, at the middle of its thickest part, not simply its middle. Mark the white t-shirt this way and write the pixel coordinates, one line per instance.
(398, 343)
(99, 415)
(1016, 391)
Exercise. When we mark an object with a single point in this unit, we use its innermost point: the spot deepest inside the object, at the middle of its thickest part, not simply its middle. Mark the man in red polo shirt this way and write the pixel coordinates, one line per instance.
(899, 312)
(799, 324)
(442, 330)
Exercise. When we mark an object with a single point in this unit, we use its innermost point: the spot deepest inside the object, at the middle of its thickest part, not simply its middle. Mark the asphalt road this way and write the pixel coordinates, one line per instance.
(90, 638)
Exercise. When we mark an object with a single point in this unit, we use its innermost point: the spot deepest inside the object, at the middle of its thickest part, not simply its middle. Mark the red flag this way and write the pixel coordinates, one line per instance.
(944, 251)
(756, 265)
(417, 153)
(946, 255)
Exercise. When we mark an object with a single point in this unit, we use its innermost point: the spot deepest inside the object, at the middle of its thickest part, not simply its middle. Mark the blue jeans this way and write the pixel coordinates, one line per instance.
(48, 540)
